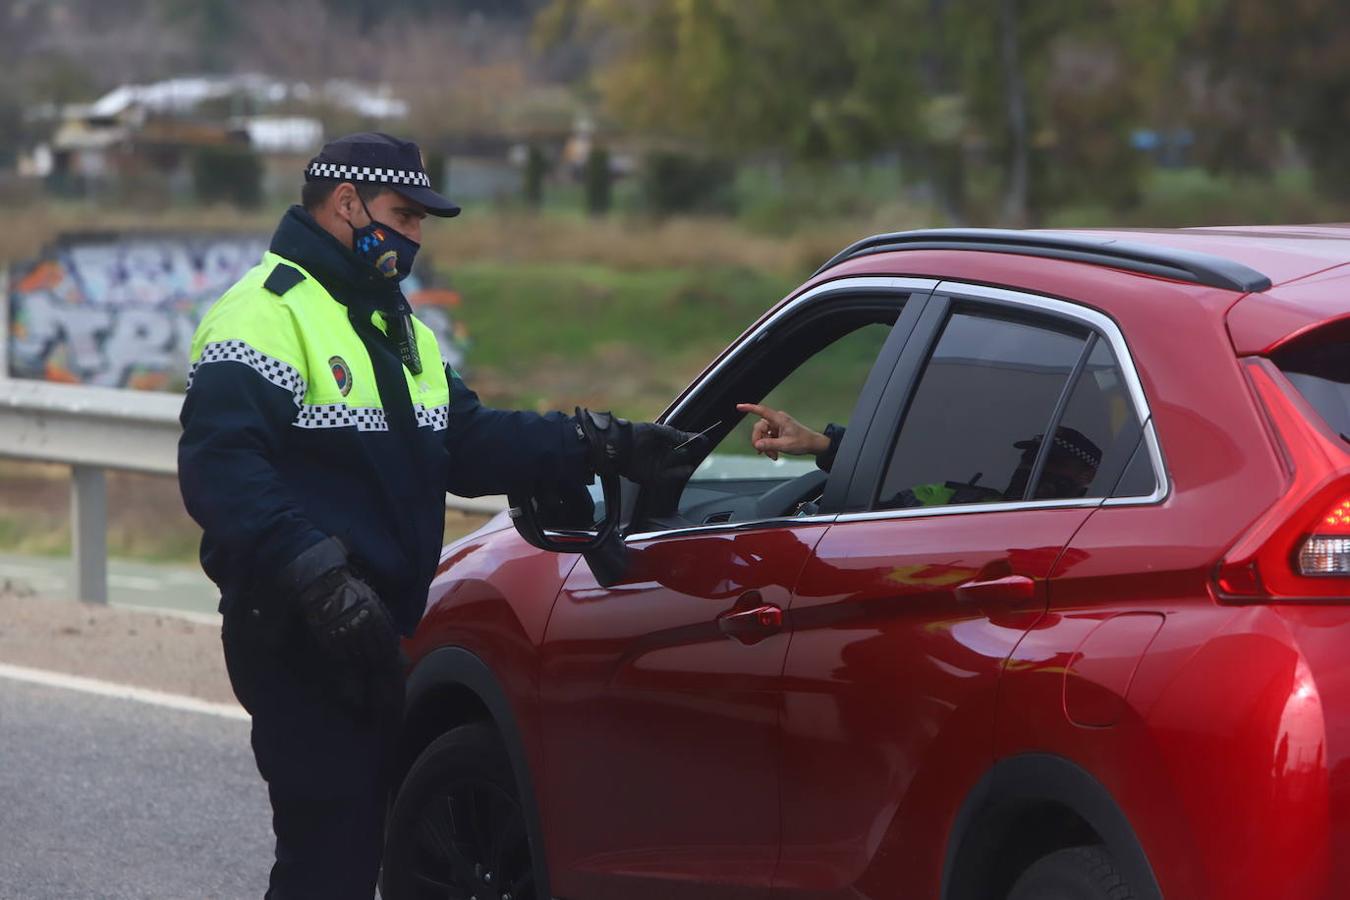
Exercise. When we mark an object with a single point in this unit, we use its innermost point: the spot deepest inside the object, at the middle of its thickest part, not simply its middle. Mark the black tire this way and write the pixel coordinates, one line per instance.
(1076, 873)
(457, 829)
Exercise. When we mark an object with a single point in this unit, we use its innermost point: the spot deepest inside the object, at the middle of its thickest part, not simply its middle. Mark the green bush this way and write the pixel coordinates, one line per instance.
(228, 173)
(684, 183)
(437, 167)
(536, 168)
(598, 181)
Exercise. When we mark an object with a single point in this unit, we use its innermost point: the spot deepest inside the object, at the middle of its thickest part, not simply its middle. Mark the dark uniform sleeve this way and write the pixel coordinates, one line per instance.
(497, 451)
(233, 422)
(836, 434)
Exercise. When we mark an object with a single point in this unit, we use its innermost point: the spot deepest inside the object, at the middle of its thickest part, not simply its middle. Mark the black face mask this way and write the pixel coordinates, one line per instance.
(390, 252)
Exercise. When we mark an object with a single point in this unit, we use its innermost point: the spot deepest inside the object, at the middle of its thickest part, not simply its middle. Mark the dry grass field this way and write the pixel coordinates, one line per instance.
(621, 242)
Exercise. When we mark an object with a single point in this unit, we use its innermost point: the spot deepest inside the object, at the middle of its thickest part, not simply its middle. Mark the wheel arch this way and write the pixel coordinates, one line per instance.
(1029, 805)
(453, 686)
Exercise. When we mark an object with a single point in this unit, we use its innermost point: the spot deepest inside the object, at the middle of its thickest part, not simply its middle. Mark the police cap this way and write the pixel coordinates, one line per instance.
(379, 158)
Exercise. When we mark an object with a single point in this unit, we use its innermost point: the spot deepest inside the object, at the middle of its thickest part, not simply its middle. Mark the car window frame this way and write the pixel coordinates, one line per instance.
(916, 293)
(873, 458)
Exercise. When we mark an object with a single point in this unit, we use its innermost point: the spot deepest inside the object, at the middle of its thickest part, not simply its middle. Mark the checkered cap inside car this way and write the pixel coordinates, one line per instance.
(1077, 451)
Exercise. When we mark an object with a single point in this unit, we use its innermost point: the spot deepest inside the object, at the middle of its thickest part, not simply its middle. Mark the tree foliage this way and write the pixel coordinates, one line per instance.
(820, 81)
(1271, 69)
(1050, 88)
(227, 173)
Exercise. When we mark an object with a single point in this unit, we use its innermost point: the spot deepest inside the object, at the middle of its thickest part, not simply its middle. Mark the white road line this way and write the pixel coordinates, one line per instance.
(21, 569)
(201, 618)
(122, 691)
(135, 582)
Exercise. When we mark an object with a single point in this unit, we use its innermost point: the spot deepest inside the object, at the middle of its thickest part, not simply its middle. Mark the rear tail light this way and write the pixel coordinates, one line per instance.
(1299, 550)
(1324, 555)
(1327, 550)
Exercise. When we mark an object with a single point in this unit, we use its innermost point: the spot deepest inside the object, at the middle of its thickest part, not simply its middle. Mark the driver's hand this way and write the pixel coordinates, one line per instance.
(777, 432)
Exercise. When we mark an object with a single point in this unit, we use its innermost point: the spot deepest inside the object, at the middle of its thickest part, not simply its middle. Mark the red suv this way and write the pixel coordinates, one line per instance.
(968, 660)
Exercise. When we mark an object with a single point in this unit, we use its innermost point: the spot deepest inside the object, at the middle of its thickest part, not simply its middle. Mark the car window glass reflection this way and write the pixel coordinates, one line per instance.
(1097, 432)
(980, 413)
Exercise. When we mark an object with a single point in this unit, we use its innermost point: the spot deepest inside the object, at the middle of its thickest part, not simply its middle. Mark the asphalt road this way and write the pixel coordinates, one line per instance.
(109, 798)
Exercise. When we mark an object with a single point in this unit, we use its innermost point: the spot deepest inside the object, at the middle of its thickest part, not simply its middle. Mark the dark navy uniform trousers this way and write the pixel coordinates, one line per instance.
(324, 738)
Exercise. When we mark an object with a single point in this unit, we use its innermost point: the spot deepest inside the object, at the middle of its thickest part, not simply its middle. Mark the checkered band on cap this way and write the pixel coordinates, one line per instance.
(341, 172)
(340, 415)
(1077, 451)
(283, 375)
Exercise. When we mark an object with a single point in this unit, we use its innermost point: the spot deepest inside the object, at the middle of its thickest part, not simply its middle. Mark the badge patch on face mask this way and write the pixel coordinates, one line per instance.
(341, 374)
(387, 263)
(390, 251)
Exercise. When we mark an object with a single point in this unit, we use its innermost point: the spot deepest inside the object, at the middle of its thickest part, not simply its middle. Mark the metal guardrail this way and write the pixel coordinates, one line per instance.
(94, 429)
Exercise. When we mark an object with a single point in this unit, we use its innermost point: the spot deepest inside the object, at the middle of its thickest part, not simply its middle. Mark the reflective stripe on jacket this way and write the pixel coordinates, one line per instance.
(302, 341)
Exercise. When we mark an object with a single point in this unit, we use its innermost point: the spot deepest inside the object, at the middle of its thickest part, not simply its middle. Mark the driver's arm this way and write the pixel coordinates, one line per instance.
(777, 432)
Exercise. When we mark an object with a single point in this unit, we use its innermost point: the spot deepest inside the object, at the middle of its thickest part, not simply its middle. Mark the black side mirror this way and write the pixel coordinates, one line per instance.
(564, 521)
(566, 525)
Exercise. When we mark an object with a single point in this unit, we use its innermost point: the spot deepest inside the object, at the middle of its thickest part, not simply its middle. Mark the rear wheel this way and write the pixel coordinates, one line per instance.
(457, 830)
(1075, 873)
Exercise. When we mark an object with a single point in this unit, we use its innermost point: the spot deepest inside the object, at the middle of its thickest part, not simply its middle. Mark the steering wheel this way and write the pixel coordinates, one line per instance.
(781, 500)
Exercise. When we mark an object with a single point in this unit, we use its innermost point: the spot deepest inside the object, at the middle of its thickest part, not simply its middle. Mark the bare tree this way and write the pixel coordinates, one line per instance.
(1014, 86)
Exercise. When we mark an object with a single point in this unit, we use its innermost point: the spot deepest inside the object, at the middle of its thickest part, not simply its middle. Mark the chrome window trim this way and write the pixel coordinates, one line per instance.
(963, 509)
(1163, 487)
(843, 285)
(748, 525)
(1094, 319)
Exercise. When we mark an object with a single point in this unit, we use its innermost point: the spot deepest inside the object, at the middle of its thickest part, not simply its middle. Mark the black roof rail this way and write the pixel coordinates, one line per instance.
(1165, 262)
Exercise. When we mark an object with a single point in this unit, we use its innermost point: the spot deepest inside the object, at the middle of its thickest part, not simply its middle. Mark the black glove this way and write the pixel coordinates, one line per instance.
(343, 613)
(639, 451)
(348, 620)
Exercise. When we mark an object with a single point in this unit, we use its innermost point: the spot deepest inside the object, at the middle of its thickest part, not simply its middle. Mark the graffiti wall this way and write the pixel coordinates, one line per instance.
(119, 311)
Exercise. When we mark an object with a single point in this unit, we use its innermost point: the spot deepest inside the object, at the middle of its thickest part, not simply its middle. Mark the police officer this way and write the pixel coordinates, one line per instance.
(321, 431)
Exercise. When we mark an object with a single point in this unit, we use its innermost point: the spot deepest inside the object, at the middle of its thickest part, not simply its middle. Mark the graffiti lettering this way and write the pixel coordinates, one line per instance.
(120, 312)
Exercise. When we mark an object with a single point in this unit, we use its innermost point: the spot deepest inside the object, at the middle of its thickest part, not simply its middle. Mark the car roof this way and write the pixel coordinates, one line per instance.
(1266, 283)
(1284, 253)
(1239, 258)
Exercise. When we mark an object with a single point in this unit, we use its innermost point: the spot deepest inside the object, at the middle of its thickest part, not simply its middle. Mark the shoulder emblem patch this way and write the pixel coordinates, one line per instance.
(342, 374)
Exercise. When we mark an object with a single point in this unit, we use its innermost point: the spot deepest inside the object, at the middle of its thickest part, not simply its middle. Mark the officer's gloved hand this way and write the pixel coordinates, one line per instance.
(638, 451)
(348, 620)
(344, 614)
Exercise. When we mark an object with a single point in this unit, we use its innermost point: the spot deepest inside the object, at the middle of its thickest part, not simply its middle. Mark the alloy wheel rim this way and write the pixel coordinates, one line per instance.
(470, 843)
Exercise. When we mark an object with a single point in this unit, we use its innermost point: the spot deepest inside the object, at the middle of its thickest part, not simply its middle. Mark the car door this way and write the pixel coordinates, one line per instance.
(660, 695)
(911, 602)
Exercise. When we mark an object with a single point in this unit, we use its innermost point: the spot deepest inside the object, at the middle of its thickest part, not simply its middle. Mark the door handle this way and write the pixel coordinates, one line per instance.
(749, 625)
(1014, 588)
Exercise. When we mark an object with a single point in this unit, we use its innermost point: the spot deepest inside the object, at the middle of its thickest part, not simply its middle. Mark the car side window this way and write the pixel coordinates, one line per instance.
(734, 483)
(980, 411)
(822, 389)
(1096, 435)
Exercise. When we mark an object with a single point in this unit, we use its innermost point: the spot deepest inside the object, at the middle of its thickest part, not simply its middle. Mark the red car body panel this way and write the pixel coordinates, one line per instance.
(1260, 324)
(642, 669)
(492, 596)
(890, 688)
(832, 759)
